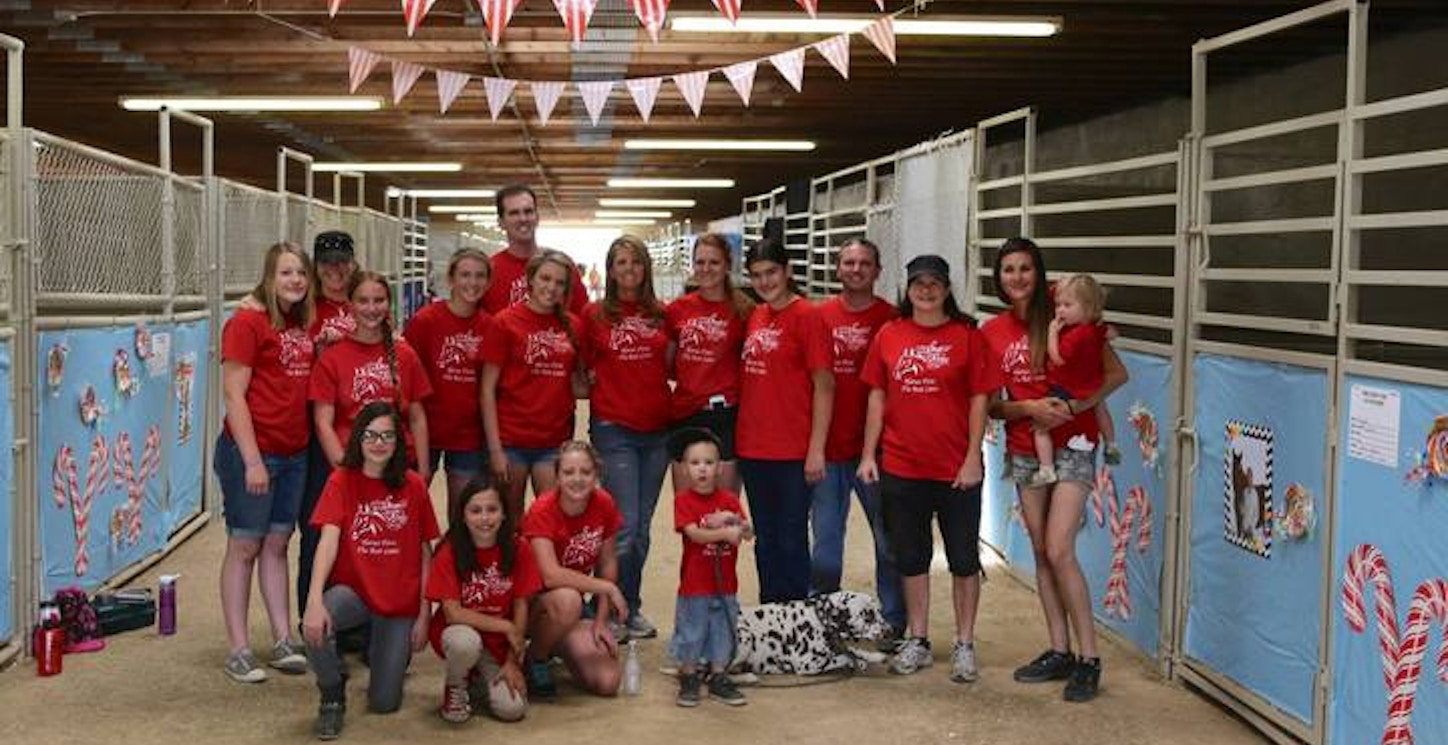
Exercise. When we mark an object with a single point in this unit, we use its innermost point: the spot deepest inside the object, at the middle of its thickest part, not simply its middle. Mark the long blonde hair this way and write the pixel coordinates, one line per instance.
(265, 291)
(648, 300)
(743, 306)
(560, 311)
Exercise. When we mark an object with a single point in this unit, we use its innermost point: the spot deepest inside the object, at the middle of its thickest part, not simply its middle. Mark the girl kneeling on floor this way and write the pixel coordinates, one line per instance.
(377, 526)
(483, 577)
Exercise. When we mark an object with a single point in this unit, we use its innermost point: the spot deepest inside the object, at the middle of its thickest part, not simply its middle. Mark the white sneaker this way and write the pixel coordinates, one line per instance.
(914, 654)
(289, 657)
(243, 667)
(962, 663)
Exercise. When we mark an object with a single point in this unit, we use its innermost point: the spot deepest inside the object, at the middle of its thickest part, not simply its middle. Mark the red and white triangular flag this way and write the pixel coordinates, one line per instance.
(595, 95)
(644, 91)
(414, 11)
(333, 6)
(404, 76)
(360, 64)
(575, 14)
(449, 85)
(730, 9)
(836, 51)
(692, 85)
(741, 76)
(881, 33)
(651, 14)
(497, 14)
(810, 6)
(791, 65)
(545, 97)
(881, 5)
(497, 91)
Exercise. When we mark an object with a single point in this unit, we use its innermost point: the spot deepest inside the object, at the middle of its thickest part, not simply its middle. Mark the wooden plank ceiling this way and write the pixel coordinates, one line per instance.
(81, 56)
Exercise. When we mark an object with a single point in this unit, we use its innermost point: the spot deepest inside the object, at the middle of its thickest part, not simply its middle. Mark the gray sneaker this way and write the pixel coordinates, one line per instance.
(962, 663)
(914, 654)
(289, 657)
(640, 627)
(243, 667)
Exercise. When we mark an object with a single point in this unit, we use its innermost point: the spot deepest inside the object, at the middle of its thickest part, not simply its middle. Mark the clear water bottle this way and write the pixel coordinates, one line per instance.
(632, 670)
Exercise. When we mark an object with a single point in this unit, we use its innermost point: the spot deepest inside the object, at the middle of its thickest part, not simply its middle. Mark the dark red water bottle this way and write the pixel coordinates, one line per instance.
(49, 650)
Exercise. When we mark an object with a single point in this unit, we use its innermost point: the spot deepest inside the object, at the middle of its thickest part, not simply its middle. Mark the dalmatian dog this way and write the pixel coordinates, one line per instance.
(808, 637)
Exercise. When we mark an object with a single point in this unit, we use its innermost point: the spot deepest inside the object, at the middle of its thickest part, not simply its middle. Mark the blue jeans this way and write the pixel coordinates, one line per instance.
(634, 464)
(829, 512)
(779, 506)
(255, 515)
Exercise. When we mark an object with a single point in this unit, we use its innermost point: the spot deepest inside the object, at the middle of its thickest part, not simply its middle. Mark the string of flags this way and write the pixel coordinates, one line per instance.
(644, 91)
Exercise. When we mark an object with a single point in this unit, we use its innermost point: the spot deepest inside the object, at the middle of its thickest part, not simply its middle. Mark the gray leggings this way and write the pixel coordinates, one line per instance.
(387, 656)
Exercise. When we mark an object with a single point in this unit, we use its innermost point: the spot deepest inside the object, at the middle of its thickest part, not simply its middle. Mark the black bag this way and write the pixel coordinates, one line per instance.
(125, 610)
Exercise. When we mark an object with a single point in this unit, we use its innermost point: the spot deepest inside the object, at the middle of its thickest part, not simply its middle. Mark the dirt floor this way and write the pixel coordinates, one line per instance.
(144, 687)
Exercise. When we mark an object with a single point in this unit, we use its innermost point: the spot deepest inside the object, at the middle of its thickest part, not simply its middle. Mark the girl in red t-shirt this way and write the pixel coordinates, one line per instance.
(377, 529)
(482, 578)
(530, 364)
(448, 338)
(571, 531)
(261, 455)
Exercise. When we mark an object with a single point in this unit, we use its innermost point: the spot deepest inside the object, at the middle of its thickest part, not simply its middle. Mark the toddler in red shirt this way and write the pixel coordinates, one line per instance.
(1074, 344)
(713, 523)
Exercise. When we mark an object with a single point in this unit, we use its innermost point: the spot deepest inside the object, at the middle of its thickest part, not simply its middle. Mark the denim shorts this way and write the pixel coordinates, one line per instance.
(720, 421)
(255, 515)
(1071, 465)
(459, 462)
(704, 628)
(531, 456)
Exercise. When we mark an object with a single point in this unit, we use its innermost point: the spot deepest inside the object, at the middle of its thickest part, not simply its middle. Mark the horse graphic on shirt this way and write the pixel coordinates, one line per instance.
(386, 515)
(546, 345)
(761, 342)
(703, 331)
(338, 326)
(850, 340)
(296, 351)
(484, 584)
(458, 350)
(518, 291)
(920, 359)
(372, 381)
(631, 332)
(582, 549)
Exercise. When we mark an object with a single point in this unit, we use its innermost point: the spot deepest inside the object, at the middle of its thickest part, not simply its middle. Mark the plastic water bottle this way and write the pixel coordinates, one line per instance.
(166, 611)
(632, 670)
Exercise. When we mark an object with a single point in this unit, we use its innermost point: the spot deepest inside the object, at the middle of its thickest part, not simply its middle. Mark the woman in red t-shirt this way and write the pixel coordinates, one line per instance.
(377, 528)
(261, 455)
(707, 329)
(448, 338)
(572, 534)
(530, 361)
(625, 350)
(482, 579)
(787, 392)
(1018, 343)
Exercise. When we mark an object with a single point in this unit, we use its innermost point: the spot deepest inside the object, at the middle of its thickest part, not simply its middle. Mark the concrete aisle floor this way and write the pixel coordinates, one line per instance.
(144, 687)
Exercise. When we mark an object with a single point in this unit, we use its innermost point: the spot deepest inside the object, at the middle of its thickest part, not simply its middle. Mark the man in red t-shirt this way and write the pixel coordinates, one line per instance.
(852, 318)
(518, 217)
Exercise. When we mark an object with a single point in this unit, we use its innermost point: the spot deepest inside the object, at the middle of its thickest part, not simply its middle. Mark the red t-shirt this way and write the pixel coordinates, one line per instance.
(1010, 349)
(631, 385)
(333, 315)
(536, 359)
(696, 571)
(509, 285)
(850, 334)
(929, 376)
(351, 375)
(380, 551)
(709, 336)
(577, 541)
(1081, 348)
(488, 590)
(449, 348)
(281, 365)
(781, 349)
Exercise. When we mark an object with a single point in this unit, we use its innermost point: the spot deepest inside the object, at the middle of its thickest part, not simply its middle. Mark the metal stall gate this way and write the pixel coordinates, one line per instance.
(15, 325)
(848, 204)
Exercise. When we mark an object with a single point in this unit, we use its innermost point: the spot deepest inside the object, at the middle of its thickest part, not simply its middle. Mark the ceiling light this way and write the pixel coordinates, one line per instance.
(789, 145)
(449, 193)
(670, 183)
(791, 24)
(476, 217)
(631, 214)
(463, 208)
(388, 167)
(644, 202)
(255, 103)
(621, 221)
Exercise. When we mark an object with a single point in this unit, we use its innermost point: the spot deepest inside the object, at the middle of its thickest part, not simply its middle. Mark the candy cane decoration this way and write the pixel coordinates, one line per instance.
(1138, 507)
(135, 479)
(65, 486)
(1429, 604)
(1105, 489)
(1366, 564)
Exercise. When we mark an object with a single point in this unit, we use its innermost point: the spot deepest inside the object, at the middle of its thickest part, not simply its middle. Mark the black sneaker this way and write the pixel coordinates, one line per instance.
(722, 689)
(540, 680)
(329, 720)
(1050, 665)
(688, 690)
(1085, 680)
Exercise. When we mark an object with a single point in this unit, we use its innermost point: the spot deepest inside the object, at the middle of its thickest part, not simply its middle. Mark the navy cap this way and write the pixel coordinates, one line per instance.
(333, 247)
(927, 265)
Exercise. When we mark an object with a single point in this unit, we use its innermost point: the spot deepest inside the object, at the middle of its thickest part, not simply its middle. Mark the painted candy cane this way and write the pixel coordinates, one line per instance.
(1429, 604)
(135, 479)
(65, 488)
(1105, 489)
(1364, 564)
(95, 482)
(1138, 507)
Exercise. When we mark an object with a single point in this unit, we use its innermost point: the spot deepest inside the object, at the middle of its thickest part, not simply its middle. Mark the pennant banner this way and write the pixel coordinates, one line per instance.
(644, 91)
(651, 14)
(791, 65)
(836, 50)
(498, 90)
(692, 85)
(881, 33)
(497, 14)
(360, 64)
(575, 14)
(881, 5)
(449, 85)
(414, 11)
(595, 95)
(404, 76)
(333, 6)
(741, 76)
(729, 8)
(812, 6)
(545, 97)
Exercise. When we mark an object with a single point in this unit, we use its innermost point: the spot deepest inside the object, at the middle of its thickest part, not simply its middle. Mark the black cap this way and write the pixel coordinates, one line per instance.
(687, 437)
(927, 265)
(767, 249)
(332, 247)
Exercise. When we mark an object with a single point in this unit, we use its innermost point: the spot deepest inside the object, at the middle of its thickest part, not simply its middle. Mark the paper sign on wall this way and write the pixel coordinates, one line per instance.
(1373, 422)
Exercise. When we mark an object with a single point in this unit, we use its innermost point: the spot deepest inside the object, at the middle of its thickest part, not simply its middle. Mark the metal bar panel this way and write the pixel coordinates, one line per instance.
(1399, 334)
(1272, 178)
(1006, 118)
(1311, 276)
(1273, 129)
(1423, 219)
(1400, 162)
(1107, 241)
(1401, 104)
(1115, 166)
(1143, 346)
(1272, 26)
(127, 164)
(1265, 354)
(1420, 375)
(1411, 278)
(1138, 319)
(1266, 323)
(1000, 183)
(1284, 225)
(1002, 212)
(1104, 205)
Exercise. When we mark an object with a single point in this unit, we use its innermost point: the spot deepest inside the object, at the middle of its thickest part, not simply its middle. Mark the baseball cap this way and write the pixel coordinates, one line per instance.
(332, 247)
(928, 265)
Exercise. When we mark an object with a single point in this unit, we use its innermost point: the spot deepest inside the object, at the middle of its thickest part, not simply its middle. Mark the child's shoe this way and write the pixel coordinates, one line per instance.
(1112, 454)
(456, 704)
(688, 690)
(540, 680)
(722, 689)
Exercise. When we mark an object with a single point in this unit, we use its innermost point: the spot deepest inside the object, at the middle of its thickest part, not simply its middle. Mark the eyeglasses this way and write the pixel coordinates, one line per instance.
(388, 436)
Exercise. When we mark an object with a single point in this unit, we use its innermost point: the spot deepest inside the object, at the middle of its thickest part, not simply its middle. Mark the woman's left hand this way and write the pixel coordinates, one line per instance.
(603, 637)
(419, 633)
(512, 676)
(971, 472)
(814, 468)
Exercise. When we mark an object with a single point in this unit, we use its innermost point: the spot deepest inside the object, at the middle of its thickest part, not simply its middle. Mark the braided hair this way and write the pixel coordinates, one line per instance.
(560, 311)
(389, 344)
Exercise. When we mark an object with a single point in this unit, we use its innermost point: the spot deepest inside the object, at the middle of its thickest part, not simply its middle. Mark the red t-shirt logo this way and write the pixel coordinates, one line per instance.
(296, 352)
(760, 343)
(920, 359)
(518, 291)
(630, 332)
(458, 351)
(375, 518)
(484, 585)
(545, 346)
(372, 381)
(583, 547)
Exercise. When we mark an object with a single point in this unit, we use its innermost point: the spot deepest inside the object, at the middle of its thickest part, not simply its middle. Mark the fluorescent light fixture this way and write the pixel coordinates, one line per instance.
(644, 202)
(477, 217)
(768, 145)
(625, 214)
(449, 193)
(764, 23)
(444, 208)
(670, 183)
(388, 167)
(620, 221)
(255, 103)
